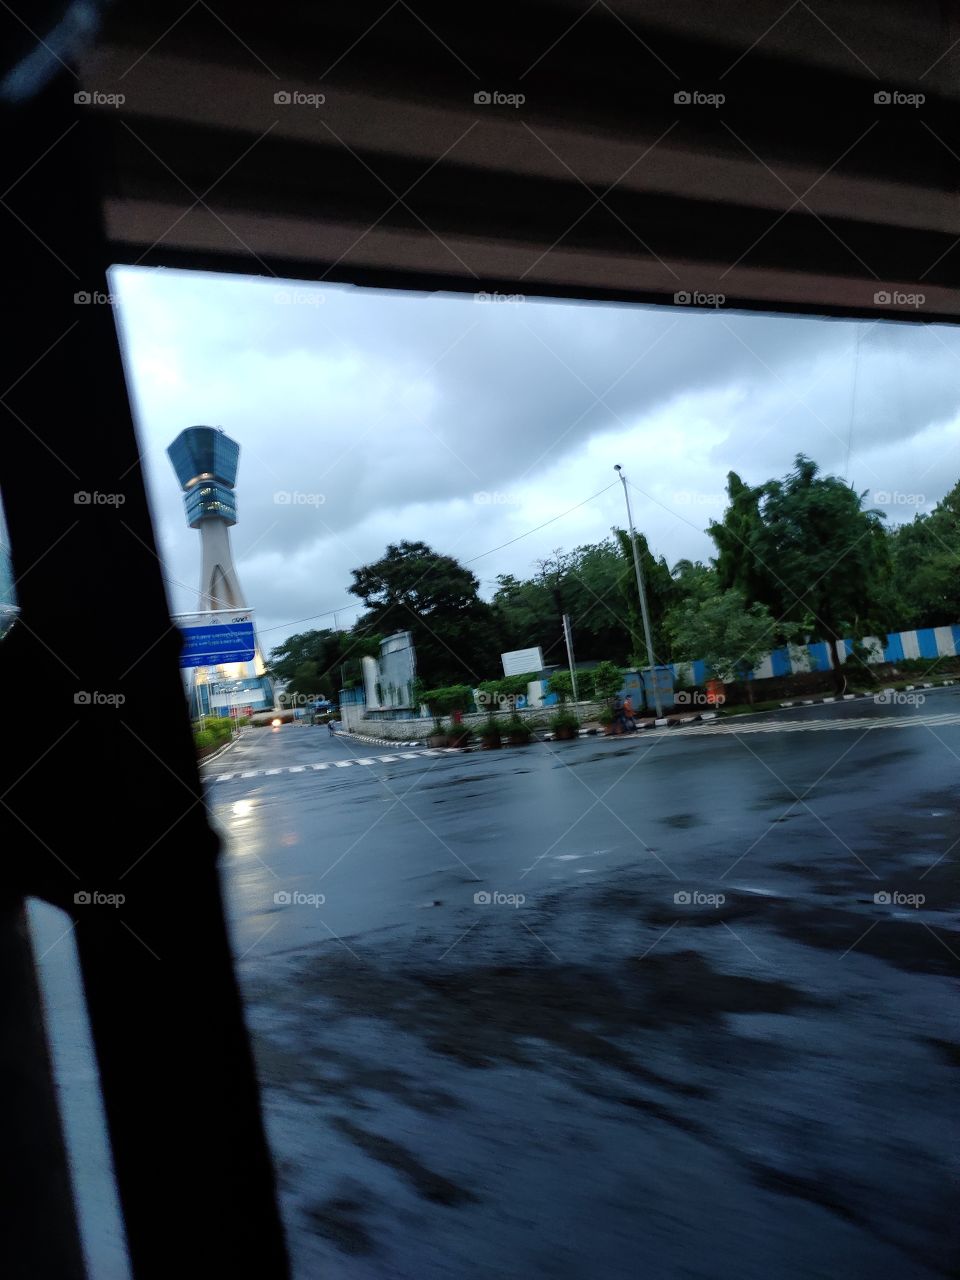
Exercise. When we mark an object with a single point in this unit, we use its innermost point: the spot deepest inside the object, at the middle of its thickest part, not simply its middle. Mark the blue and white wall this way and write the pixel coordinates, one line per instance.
(926, 642)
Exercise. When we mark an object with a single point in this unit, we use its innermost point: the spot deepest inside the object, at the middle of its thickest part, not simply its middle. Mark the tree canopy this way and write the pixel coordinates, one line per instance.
(925, 555)
(414, 588)
(796, 558)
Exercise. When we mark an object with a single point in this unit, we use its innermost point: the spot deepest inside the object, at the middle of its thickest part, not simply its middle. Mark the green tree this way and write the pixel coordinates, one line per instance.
(561, 683)
(596, 585)
(925, 578)
(660, 591)
(587, 584)
(739, 563)
(730, 636)
(830, 556)
(413, 588)
(524, 614)
(607, 680)
(595, 601)
(317, 662)
(693, 581)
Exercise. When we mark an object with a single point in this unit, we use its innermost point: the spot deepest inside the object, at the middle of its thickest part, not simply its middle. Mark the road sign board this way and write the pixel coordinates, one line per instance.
(519, 661)
(210, 639)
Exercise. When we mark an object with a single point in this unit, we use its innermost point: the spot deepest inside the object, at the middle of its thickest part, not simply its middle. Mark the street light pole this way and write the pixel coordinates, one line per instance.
(644, 613)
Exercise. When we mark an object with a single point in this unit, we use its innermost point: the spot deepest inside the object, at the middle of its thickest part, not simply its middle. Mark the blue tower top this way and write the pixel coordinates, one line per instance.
(205, 461)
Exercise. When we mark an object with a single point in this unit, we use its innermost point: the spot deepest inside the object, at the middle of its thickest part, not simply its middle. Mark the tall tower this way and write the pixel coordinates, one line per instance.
(205, 460)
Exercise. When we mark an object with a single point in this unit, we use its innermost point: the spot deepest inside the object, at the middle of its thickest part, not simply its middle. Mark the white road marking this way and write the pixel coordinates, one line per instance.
(811, 726)
(728, 728)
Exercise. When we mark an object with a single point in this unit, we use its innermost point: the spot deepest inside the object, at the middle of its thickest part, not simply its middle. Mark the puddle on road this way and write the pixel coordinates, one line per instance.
(682, 821)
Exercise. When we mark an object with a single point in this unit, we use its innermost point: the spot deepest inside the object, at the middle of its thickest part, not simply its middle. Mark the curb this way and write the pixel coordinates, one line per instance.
(668, 722)
(850, 697)
(381, 742)
(217, 754)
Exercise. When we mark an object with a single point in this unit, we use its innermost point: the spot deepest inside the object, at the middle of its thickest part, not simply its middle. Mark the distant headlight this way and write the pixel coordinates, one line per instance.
(275, 724)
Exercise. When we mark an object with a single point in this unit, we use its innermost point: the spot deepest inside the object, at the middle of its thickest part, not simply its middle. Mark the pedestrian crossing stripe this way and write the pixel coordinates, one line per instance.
(325, 764)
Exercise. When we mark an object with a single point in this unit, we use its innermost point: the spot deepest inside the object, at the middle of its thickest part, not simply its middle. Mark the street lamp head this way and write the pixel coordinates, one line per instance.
(616, 466)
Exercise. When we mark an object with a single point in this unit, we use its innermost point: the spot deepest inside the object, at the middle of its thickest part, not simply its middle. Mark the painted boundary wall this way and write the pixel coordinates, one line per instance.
(925, 642)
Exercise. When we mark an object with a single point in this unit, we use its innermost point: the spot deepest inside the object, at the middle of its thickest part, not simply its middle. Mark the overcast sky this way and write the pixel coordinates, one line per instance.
(366, 417)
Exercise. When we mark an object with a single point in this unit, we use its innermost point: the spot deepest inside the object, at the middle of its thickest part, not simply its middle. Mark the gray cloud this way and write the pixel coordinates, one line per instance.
(390, 413)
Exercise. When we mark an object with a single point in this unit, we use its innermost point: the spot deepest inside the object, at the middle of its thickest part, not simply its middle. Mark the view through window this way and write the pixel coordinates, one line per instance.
(578, 877)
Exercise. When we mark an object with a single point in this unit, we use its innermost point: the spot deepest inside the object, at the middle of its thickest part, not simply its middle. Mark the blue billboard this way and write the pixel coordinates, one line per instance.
(211, 639)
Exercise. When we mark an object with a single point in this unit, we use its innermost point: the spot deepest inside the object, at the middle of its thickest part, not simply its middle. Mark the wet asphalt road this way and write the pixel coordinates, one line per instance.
(675, 1035)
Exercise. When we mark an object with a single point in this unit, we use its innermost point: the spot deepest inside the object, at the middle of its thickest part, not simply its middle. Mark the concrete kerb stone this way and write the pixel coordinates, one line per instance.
(850, 697)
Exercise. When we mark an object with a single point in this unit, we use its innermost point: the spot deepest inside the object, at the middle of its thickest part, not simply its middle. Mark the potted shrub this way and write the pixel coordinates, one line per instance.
(565, 725)
(607, 681)
(608, 720)
(447, 700)
(459, 736)
(518, 731)
(491, 734)
(562, 685)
